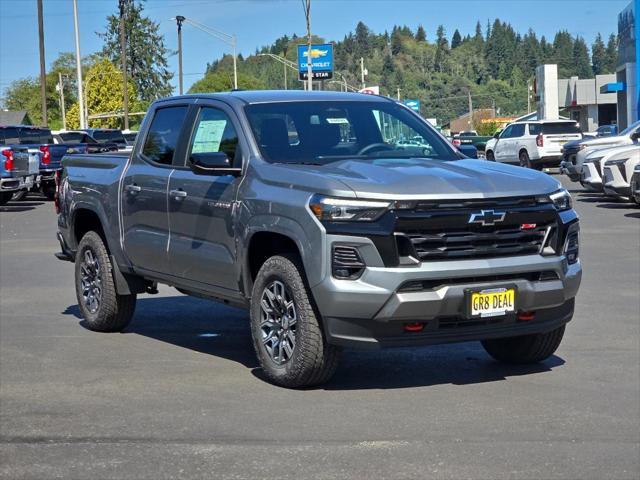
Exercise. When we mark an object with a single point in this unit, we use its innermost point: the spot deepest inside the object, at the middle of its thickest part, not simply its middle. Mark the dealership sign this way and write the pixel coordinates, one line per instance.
(413, 104)
(321, 58)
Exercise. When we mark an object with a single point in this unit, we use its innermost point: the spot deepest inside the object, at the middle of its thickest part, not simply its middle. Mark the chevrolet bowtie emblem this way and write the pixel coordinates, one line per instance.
(487, 217)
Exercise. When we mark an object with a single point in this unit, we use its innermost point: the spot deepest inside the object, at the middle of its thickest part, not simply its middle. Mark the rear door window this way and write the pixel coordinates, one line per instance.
(162, 139)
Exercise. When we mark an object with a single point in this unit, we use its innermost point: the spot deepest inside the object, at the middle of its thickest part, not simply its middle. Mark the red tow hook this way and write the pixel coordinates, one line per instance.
(414, 327)
(526, 316)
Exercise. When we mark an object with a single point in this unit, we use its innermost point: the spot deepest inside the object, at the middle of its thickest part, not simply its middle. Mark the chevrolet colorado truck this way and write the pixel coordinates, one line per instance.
(299, 207)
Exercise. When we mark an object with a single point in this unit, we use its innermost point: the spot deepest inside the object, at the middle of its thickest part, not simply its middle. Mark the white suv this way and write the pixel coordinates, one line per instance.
(618, 170)
(534, 144)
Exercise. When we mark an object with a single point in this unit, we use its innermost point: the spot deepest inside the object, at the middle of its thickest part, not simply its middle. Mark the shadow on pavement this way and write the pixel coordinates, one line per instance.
(632, 215)
(223, 331)
(19, 206)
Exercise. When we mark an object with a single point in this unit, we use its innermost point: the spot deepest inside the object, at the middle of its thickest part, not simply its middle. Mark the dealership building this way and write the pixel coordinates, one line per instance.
(605, 99)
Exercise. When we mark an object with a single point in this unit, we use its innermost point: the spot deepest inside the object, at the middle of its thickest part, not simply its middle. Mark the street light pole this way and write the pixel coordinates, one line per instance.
(362, 72)
(123, 55)
(179, 20)
(83, 119)
(235, 62)
(43, 72)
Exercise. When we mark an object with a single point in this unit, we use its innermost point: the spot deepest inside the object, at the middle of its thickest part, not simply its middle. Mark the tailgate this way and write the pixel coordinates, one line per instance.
(25, 163)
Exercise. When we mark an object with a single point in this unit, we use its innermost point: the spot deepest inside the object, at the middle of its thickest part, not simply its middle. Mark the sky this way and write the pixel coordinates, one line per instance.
(260, 22)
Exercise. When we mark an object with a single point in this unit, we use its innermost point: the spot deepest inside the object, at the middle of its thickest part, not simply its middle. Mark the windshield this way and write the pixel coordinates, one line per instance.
(104, 136)
(323, 132)
(630, 129)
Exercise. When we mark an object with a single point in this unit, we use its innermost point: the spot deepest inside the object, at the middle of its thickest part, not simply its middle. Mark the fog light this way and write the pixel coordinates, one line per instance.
(346, 262)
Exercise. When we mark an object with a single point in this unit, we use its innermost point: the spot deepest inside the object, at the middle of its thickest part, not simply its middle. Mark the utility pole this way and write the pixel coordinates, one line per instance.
(285, 68)
(179, 20)
(234, 42)
(362, 72)
(398, 93)
(83, 119)
(43, 72)
(470, 111)
(61, 90)
(307, 6)
(123, 55)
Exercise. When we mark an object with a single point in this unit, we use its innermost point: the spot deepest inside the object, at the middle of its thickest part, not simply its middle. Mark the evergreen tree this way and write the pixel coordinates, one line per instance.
(362, 40)
(563, 53)
(146, 54)
(612, 54)
(421, 35)
(456, 40)
(581, 63)
(442, 49)
(599, 56)
(531, 53)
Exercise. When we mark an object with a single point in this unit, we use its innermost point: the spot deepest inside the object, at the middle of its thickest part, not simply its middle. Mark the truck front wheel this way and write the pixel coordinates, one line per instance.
(285, 326)
(526, 348)
(103, 309)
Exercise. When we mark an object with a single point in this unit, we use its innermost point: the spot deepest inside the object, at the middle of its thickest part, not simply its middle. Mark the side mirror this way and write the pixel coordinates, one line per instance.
(496, 135)
(212, 163)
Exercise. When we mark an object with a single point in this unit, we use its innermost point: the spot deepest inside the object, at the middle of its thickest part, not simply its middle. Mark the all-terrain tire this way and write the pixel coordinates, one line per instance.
(526, 348)
(114, 311)
(313, 361)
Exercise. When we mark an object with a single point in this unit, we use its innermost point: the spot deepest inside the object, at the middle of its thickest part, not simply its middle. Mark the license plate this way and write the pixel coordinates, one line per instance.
(492, 302)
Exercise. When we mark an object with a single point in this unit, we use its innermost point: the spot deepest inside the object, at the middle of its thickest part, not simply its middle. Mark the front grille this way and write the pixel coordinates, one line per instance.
(444, 233)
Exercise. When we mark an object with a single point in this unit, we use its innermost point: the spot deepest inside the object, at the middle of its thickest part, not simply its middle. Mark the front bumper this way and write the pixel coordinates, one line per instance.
(614, 182)
(548, 160)
(372, 311)
(590, 177)
(568, 168)
(635, 187)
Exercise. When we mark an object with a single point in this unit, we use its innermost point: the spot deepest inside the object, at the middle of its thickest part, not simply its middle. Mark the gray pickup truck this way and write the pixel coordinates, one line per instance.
(299, 207)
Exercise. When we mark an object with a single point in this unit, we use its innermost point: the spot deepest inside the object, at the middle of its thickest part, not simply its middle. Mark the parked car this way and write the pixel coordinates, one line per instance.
(40, 141)
(593, 165)
(534, 144)
(108, 136)
(328, 242)
(18, 171)
(635, 185)
(572, 166)
(617, 171)
(79, 136)
(606, 130)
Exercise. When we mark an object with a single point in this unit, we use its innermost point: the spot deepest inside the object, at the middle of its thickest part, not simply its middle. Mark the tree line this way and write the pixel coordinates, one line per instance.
(493, 63)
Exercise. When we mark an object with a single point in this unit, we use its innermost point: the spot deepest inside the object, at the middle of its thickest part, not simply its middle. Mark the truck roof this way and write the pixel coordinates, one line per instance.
(271, 96)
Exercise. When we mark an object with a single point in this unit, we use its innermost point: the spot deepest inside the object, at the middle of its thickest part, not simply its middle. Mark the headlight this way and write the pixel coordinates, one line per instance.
(561, 200)
(344, 209)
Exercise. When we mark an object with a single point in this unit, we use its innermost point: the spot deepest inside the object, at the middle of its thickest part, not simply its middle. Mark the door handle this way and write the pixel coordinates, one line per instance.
(133, 188)
(177, 194)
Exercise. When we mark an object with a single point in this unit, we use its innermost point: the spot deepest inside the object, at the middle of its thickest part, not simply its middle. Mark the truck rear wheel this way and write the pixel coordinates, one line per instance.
(285, 326)
(526, 348)
(101, 306)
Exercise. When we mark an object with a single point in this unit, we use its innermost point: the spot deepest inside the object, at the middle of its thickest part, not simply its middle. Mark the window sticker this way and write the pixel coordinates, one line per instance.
(208, 136)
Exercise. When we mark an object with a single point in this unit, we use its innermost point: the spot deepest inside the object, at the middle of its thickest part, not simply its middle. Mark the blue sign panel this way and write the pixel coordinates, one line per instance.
(321, 61)
(413, 104)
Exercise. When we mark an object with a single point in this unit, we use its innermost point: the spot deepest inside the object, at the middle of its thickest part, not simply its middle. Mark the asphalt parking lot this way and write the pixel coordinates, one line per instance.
(178, 393)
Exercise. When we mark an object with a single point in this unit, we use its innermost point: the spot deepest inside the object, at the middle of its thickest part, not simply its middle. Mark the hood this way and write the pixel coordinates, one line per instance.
(425, 179)
(611, 141)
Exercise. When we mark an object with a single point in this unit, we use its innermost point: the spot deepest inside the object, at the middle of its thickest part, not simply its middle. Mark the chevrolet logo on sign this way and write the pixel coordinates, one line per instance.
(487, 217)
